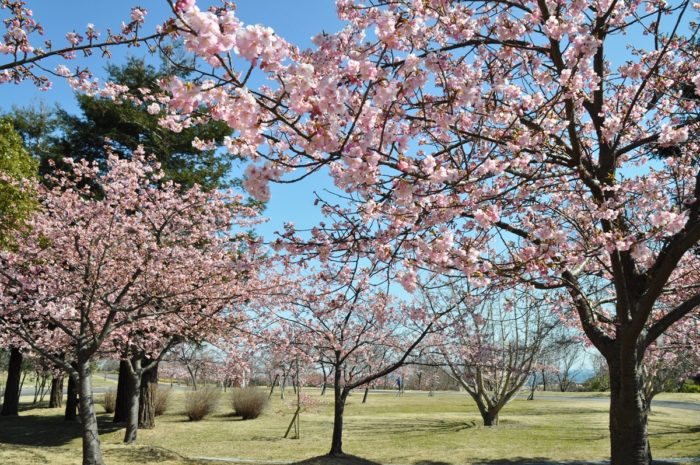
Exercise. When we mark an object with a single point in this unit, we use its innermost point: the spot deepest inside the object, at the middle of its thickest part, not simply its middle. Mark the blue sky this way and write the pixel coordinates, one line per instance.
(297, 21)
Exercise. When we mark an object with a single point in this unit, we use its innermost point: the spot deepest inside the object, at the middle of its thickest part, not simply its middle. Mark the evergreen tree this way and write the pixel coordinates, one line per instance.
(106, 125)
(16, 165)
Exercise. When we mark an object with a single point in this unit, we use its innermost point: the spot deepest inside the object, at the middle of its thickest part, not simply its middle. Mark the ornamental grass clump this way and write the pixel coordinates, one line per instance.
(161, 400)
(109, 402)
(200, 403)
(249, 403)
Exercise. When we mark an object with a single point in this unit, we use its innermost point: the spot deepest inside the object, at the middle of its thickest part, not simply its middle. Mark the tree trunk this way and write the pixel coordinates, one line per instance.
(364, 397)
(45, 389)
(544, 381)
(563, 385)
(56, 398)
(282, 386)
(36, 389)
(490, 418)
(71, 400)
(532, 387)
(340, 397)
(121, 406)
(92, 453)
(10, 405)
(629, 441)
(489, 413)
(193, 378)
(147, 398)
(132, 418)
(272, 388)
(325, 380)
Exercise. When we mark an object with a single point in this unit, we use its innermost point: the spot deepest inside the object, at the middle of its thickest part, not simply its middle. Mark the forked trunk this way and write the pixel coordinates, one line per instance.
(92, 453)
(629, 441)
(10, 405)
(488, 413)
(147, 398)
(56, 397)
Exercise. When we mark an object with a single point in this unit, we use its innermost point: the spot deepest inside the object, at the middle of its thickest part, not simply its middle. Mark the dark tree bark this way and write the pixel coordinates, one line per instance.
(339, 399)
(71, 400)
(138, 368)
(629, 438)
(132, 418)
(121, 406)
(147, 398)
(10, 405)
(92, 453)
(490, 418)
(544, 380)
(364, 397)
(489, 413)
(56, 397)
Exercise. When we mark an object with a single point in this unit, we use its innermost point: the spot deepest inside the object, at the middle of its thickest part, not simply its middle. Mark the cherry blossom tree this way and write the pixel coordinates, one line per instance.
(91, 270)
(490, 345)
(489, 138)
(496, 139)
(148, 342)
(195, 358)
(24, 52)
(335, 316)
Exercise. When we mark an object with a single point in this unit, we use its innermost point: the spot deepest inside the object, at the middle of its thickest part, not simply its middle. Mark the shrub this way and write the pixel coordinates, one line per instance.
(690, 386)
(596, 384)
(161, 400)
(249, 403)
(109, 402)
(200, 403)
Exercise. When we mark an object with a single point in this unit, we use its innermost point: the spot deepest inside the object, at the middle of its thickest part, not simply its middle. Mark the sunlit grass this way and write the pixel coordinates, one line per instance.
(410, 429)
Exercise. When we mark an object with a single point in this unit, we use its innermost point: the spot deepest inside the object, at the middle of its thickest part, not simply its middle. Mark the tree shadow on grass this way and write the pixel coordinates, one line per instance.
(421, 426)
(548, 461)
(142, 454)
(46, 430)
(336, 460)
(430, 462)
(689, 430)
(354, 460)
(529, 461)
(553, 410)
(25, 406)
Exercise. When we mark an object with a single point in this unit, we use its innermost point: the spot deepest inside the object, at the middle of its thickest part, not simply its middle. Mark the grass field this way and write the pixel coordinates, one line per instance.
(411, 429)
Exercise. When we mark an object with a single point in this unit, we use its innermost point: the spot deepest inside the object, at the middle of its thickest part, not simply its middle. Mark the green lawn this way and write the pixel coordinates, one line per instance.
(412, 429)
(670, 396)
